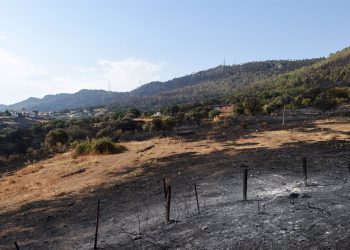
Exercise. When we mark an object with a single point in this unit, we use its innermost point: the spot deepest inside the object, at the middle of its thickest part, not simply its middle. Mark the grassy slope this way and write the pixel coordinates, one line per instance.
(315, 75)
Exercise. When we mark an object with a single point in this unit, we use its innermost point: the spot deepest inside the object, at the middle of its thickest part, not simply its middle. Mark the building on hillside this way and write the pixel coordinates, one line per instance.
(13, 113)
(158, 114)
(25, 114)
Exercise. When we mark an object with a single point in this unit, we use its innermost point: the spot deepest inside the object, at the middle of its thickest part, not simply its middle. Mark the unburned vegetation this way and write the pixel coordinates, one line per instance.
(97, 146)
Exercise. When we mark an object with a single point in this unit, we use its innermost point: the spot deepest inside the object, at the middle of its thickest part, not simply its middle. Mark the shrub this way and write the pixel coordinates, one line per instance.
(83, 148)
(100, 146)
(104, 147)
(325, 102)
(213, 113)
(56, 137)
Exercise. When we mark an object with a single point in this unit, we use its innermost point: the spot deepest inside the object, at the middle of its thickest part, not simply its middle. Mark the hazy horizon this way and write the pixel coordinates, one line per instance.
(49, 48)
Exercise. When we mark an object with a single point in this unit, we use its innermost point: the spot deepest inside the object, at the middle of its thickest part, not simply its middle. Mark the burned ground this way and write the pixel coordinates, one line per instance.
(280, 213)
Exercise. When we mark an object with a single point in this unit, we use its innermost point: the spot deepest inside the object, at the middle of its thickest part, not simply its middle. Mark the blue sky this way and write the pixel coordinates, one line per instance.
(49, 47)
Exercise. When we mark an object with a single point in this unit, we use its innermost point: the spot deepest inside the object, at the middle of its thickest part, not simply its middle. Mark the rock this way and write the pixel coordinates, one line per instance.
(136, 237)
(301, 238)
(293, 195)
(283, 183)
(303, 195)
(204, 228)
(49, 218)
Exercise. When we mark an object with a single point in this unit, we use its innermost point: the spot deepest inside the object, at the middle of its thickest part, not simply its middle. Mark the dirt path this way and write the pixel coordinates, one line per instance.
(51, 204)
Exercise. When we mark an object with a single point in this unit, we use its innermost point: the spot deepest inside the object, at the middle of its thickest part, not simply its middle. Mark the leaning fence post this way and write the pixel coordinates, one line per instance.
(167, 205)
(195, 189)
(164, 186)
(16, 245)
(305, 170)
(245, 183)
(97, 220)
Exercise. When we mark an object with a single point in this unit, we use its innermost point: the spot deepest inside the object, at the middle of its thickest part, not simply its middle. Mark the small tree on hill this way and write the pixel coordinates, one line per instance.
(325, 102)
(55, 137)
(135, 111)
(7, 113)
(251, 106)
(157, 125)
(213, 113)
(238, 109)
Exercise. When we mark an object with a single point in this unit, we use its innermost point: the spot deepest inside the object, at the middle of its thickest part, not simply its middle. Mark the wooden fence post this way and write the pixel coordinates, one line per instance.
(164, 186)
(195, 189)
(167, 205)
(245, 183)
(16, 245)
(305, 171)
(97, 221)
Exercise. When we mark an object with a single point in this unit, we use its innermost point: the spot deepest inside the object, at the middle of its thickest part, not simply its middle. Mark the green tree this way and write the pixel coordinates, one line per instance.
(251, 106)
(325, 102)
(267, 108)
(169, 123)
(55, 137)
(238, 109)
(157, 125)
(213, 113)
(180, 117)
(135, 111)
(7, 113)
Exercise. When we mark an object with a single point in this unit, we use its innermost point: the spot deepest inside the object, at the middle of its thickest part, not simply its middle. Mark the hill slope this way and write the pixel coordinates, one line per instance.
(211, 83)
(269, 80)
(332, 72)
(214, 83)
(83, 98)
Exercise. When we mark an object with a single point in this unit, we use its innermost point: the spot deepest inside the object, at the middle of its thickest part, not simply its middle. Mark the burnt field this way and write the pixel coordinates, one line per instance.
(52, 204)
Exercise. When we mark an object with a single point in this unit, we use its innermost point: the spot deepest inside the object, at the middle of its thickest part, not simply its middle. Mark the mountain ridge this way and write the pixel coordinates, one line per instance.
(211, 83)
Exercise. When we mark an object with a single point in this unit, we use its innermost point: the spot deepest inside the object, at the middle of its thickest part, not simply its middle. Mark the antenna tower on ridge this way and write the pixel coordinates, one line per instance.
(109, 86)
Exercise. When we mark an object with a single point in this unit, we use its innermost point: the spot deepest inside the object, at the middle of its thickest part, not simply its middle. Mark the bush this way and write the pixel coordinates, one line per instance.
(105, 147)
(100, 146)
(83, 148)
(325, 102)
(213, 113)
(56, 136)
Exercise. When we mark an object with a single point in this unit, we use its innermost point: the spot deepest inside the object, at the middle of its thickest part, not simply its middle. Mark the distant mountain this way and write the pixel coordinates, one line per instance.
(212, 83)
(81, 99)
(2, 107)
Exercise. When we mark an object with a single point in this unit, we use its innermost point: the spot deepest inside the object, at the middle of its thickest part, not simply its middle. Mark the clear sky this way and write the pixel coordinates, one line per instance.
(49, 47)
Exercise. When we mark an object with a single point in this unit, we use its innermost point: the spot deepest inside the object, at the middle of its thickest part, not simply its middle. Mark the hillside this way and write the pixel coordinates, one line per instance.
(211, 83)
(303, 80)
(332, 73)
(83, 98)
(215, 83)
(52, 204)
